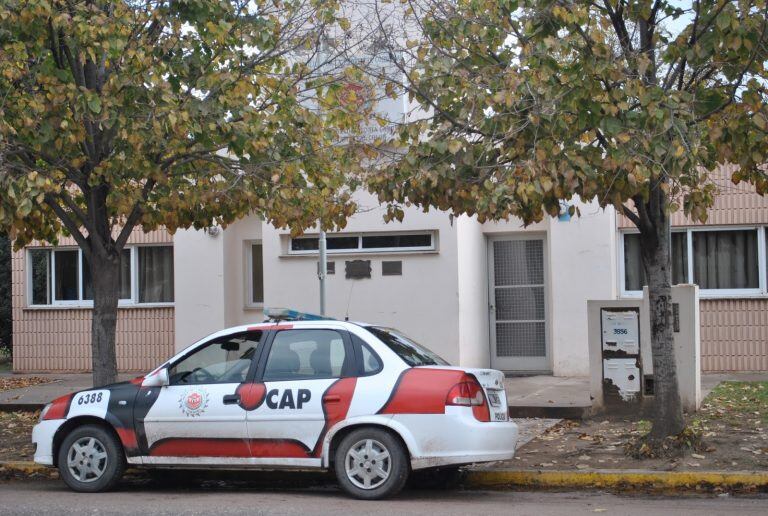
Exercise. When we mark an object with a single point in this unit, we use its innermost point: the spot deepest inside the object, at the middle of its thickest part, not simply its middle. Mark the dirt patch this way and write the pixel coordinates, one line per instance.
(8, 383)
(732, 423)
(16, 435)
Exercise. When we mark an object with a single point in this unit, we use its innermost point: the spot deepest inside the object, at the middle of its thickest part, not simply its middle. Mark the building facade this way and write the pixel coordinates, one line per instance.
(484, 295)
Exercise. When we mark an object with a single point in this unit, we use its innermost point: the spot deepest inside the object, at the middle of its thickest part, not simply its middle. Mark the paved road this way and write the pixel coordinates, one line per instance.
(50, 497)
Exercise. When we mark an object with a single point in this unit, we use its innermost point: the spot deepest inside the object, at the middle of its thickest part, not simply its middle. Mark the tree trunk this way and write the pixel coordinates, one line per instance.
(105, 271)
(656, 253)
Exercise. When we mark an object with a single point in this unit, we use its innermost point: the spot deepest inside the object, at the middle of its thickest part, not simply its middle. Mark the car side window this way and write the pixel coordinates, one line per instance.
(305, 355)
(369, 362)
(224, 360)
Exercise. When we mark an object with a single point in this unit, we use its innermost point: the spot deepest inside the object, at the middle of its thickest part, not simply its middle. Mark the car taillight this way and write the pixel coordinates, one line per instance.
(469, 393)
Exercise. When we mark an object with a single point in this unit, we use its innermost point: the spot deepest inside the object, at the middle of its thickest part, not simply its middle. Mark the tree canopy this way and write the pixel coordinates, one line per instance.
(533, 101)
(524, 104)
(166, 113)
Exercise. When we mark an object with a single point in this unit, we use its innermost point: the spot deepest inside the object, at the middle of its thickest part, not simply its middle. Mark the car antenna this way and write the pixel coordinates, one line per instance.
(349, 301)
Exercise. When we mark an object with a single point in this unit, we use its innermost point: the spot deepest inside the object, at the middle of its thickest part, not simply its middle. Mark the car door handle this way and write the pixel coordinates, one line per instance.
(231, 399)
(332, 398)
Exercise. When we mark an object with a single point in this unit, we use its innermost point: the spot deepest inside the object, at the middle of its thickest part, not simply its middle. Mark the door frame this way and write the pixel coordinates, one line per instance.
(526, 365)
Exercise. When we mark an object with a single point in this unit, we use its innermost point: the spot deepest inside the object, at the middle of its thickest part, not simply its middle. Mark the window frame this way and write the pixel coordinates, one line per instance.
(133, 301)
(249, 302)
(433, 247)
(712, 293)
(255, 361)
(348, 369)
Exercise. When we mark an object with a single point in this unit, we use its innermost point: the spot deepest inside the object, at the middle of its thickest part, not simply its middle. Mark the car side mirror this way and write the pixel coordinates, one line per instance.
(158, 378)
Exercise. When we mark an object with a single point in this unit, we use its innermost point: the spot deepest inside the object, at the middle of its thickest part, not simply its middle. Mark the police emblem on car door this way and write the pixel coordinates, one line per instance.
(197, 414)
(306, 389)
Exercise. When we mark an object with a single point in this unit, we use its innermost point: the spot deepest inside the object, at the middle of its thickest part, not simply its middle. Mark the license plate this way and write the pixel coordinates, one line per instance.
(500, 416)
(493, 397)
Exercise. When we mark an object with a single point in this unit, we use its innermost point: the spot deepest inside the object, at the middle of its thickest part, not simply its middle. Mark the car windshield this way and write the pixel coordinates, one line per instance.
(413, 354)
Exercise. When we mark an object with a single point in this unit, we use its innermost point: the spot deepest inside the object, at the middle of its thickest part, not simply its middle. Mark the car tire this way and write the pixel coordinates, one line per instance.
(91, 459)
(363, 455)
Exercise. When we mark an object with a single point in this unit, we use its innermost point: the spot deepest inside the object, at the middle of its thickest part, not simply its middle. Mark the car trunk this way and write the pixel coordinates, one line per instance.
(492, 382)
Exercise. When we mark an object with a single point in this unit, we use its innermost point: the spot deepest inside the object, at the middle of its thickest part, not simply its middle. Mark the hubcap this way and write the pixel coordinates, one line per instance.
(368, 464)
(87, 459)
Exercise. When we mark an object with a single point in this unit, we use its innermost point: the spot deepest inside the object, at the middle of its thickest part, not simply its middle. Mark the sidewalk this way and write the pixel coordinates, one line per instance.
(36, 396)
(540, 396)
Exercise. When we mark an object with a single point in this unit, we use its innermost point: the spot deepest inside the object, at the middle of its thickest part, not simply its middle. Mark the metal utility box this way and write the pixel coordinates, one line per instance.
(620, 358)
(620, 345)
(624, 377)
(621, 331)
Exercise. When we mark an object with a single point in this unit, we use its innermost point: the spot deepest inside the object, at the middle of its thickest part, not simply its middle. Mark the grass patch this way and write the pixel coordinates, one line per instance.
(736, 403)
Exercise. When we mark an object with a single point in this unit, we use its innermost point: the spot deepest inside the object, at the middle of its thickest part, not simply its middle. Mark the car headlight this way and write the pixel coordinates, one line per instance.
(45, 411)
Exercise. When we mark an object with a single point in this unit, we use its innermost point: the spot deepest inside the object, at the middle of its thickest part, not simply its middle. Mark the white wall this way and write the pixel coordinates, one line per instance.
(582, 258)
(474, 346)
(198, 263)
(237, 240)
(423, 302)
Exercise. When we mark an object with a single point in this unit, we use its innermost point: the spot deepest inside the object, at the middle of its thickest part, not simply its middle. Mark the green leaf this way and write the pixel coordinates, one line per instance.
(94, 104)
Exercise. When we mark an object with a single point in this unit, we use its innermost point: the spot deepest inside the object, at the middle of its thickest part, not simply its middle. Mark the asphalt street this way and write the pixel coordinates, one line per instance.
(51, 497)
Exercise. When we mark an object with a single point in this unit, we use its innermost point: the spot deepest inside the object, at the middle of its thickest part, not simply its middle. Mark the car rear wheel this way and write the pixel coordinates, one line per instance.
(371, 464)
(91, 459)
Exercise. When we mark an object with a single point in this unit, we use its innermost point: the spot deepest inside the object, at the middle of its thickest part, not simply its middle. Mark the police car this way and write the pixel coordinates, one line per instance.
(295, 392)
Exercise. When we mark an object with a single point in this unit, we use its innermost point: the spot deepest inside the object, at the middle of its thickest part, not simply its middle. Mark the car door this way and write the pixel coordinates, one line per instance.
(197, 414)
(307, 382)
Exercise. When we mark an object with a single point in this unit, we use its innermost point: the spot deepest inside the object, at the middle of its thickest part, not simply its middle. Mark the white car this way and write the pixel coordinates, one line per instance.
(363, 400)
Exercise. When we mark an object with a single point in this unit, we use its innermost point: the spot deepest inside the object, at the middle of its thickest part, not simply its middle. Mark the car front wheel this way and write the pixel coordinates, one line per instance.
(371, 464)
(91, 459)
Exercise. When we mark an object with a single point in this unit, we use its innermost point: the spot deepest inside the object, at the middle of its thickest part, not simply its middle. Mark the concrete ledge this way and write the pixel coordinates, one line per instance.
(21, 407)
(617, 479)
(26, 468)
(551, 411)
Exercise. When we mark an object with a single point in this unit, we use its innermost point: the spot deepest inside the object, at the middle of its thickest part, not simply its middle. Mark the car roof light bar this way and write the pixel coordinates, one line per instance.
(287, 314)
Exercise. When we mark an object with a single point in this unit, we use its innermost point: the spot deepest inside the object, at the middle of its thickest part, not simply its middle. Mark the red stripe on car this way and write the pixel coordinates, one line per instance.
(59, 408)
(251, 395)
(271, 327)
(421, 391)
(336, 401)
(201, 448)
(127, 437)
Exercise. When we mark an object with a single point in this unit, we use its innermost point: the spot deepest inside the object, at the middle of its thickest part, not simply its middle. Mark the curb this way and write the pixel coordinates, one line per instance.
(618, 479)
(25, 468)
(621, 480)
(21, 407)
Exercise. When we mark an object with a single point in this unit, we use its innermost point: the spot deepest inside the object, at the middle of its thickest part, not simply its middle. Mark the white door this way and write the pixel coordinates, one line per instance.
(518, 305)
(197, 414)
(308, 387)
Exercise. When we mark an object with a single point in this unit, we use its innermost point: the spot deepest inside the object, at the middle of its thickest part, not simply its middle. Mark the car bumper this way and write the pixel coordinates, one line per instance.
(441, 440)
(42, 438)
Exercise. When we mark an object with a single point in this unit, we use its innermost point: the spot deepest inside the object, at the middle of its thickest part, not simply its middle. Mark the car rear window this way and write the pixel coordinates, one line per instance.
(412, 353)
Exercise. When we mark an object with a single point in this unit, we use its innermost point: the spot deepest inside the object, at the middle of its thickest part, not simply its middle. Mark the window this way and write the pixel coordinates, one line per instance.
(634, 273)
(369, 362)
(412, 354)
(40, 276)
(305, 355)
(256, 270)
(365, 243)
(156, 274)
(725, 259)
(62, 276)
(225, 360)
(723, 262)
(124, 282)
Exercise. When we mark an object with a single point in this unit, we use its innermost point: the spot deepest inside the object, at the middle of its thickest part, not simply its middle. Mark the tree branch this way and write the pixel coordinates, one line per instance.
(71, 226)
(133, 218)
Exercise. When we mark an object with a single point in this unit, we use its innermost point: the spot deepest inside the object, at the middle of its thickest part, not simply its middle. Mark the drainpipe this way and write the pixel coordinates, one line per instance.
(322, 268)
